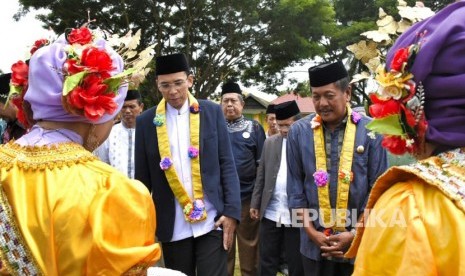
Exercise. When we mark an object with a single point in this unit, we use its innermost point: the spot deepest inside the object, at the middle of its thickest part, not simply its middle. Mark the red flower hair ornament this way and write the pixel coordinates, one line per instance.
(89, 89)
(19, 83)
(397, 106)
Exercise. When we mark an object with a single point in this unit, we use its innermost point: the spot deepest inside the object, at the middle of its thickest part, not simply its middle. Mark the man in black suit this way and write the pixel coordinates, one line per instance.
(270, 203)
(183, 156)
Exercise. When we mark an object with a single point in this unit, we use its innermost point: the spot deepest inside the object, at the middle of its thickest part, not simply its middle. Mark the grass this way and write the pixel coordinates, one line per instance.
(237, 269)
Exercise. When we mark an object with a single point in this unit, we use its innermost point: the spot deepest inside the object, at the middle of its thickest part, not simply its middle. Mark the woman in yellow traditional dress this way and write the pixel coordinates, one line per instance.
(64, 212)
(417, 217)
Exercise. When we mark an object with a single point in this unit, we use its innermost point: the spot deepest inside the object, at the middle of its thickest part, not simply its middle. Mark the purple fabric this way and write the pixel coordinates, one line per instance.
(46, 83)
(38, 136)
(440, 66)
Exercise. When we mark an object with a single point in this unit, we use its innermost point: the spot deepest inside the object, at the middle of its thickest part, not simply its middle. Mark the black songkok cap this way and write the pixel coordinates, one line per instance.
(286, 110)
(230, 87)
(132, 95)
(171, 64)
(327, 73)
(270, 109)
(4, 87)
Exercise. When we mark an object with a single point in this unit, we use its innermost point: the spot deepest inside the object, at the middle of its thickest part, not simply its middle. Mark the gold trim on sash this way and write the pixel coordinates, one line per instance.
(194, 209)
(344, 174)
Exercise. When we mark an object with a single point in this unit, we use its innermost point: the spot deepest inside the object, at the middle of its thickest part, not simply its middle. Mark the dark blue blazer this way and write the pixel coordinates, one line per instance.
(219, 177)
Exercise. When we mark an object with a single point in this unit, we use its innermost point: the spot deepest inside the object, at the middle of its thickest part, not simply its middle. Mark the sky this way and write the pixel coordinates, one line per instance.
(18, 37)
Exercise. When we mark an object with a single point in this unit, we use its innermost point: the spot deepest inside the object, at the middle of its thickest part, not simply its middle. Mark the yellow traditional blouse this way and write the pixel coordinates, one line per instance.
(76, 214)
(417, 220)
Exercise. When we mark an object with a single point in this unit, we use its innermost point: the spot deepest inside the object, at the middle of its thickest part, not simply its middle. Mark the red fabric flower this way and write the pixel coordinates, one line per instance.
(19, 73)
(409, 116)
(396, 145)
(81, 36)
(96, 60)
(71, 67)
(92, 97)
(400, 57)
(38, 44)
(17, 101)
(381, 108)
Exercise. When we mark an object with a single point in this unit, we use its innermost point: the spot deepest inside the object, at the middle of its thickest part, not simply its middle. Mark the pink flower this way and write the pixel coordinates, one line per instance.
(321, 178)
(193, 152)
(355, 117)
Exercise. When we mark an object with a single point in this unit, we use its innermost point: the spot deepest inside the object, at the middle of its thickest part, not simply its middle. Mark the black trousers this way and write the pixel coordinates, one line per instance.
(203, 256)
(326, 267)
(273, 240)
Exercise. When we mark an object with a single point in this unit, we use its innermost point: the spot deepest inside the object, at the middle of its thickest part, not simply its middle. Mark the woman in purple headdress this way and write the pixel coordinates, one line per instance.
(62, 211)
(417, 213)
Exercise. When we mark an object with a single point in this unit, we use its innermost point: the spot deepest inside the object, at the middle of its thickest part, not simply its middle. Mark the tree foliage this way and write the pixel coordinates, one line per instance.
(248, 40)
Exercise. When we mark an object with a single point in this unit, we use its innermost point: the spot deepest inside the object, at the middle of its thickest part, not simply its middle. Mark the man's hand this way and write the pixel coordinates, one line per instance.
(254, 214)
(229, 226)
(338, 244)
(319, 238)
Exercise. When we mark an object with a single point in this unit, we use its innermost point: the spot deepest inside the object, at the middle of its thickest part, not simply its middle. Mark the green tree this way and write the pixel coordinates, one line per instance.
(250, 40)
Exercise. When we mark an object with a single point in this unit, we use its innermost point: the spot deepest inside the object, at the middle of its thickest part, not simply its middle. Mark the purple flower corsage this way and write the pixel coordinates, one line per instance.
(165, 163)
(321, 178)
(194, 108)
(356, 117)
(159, 120)
(195, 211)
(193, 152)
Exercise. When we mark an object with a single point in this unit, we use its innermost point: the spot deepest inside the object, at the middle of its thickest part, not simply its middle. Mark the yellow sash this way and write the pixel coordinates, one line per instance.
(344, 174)
(194, 209)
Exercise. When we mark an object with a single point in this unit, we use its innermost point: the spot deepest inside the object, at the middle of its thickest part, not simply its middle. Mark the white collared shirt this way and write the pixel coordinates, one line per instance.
(118, 149)
(278, 207)
(178, 126)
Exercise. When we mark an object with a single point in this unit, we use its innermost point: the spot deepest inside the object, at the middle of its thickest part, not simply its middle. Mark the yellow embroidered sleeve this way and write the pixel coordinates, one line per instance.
(413, 229)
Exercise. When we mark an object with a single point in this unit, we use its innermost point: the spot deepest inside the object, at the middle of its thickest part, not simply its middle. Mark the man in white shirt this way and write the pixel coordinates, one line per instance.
(269, 199)
(184, 157)
(118, 149)
(271, 121)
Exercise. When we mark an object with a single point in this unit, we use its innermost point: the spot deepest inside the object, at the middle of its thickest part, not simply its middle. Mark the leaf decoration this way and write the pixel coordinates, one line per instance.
(72, 81)
(389, 125)
(364, 51)
(415, 14)
(377, 36)
(359, 77)
(387, 25)
(126, 47)
(373, 64)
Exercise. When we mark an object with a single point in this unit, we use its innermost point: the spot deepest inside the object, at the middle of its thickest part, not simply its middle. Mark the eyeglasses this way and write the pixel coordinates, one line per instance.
(166, 86)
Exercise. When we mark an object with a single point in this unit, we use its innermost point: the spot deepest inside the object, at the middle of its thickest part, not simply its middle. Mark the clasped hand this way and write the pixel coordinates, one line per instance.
(334, 245)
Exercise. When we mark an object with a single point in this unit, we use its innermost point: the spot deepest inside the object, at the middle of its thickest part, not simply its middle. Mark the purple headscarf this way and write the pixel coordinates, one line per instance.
(46, 83)
(440, 66)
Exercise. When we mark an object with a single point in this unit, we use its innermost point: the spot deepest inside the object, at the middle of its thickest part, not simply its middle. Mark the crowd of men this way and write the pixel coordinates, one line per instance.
(247, 186)
(297, 193)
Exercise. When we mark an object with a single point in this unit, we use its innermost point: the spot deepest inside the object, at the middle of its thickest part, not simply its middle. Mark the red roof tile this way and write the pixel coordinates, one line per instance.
(305, 103)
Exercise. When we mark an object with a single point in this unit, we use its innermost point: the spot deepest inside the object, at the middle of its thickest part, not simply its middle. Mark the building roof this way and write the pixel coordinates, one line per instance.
(305, 103)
